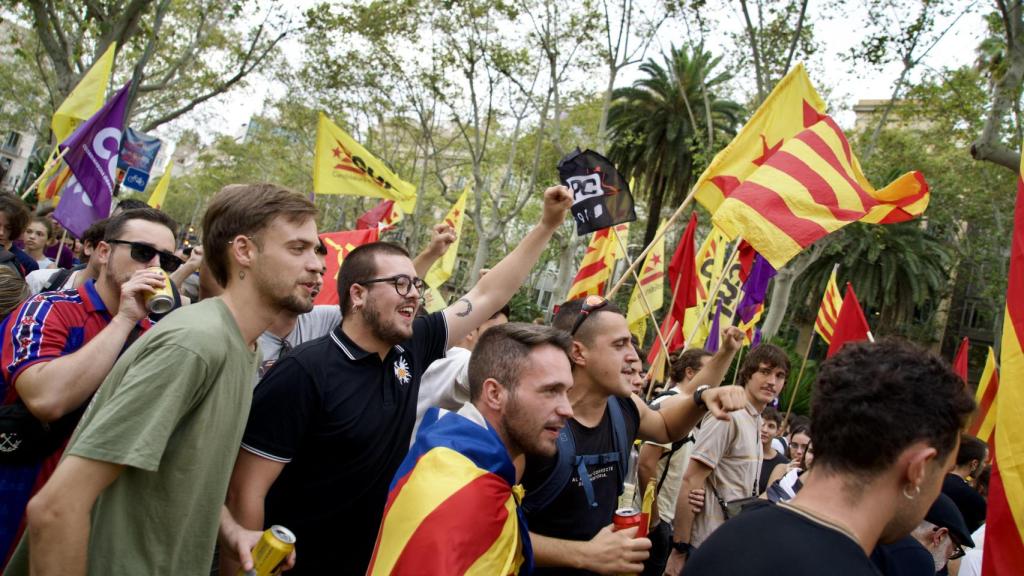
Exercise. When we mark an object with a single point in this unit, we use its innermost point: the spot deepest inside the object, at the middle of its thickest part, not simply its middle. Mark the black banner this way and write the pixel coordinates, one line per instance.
(600, 195)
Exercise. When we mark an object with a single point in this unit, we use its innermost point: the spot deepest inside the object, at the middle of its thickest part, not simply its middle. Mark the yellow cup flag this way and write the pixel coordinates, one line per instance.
(652, 285)
(342, 166)
(86, 98)
(442, 270)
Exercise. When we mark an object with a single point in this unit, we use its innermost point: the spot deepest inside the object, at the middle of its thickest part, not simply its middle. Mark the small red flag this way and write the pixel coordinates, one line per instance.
(381, 213)
(851, 325)
(960, 360)
(338, 245)
(683, 272)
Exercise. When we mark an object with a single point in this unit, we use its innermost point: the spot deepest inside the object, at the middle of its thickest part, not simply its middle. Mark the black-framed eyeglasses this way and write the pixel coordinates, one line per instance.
(143, 253)
(958, 552)
(590, 304)
(403, 283)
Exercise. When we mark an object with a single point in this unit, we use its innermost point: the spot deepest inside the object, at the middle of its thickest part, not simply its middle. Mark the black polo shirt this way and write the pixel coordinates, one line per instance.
(341, 420)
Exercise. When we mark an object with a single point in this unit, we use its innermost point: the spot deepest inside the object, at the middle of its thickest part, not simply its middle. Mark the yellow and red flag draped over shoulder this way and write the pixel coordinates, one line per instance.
(159, 194)
(342, 166)
(453, 507)
(986, 396)
(709, 261)
(339, 244)
(828, 312)
(85, 99)
(809, 188)
(793, 105)
(602, 252)
(651, 285)
(1004, 532)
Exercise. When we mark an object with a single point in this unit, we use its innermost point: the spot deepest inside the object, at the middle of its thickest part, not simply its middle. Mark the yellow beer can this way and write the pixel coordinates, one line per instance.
(272, 549)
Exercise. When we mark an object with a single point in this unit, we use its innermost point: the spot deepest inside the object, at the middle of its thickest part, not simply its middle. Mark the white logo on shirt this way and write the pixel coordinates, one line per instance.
(402, 373)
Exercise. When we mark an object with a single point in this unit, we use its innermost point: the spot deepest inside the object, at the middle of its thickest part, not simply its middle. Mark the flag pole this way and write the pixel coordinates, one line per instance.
(643, 297)
(675, 216)
(712, 296)
(660, 358)
(739, 362)
(44, 171)
(60, 247)
(799, 378)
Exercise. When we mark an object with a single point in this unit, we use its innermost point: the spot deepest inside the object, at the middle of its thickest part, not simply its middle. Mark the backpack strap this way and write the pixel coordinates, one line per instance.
(540, 497)
(60, 277)
(623, 442)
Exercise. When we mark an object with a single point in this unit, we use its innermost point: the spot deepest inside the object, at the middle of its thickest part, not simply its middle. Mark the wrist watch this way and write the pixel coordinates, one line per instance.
(683, 548)
(697, 396)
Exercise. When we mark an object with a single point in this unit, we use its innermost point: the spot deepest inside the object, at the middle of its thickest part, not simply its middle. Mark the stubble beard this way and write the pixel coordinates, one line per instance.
(288, 302)
(521, 438)
(381, 329)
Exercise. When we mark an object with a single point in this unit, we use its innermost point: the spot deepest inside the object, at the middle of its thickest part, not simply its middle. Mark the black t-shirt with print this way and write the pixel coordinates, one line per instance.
(772, 539)
(569, 516)
(340, 419)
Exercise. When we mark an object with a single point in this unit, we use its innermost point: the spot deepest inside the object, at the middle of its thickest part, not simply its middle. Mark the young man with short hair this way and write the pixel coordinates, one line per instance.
(570, 504)
(460, 474)
(771, 418)
(912, 406)
(727, 454)
(142, 482)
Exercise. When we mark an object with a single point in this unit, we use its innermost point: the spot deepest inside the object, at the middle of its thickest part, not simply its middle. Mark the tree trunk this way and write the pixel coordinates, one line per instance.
(782, 287)
(566, 268)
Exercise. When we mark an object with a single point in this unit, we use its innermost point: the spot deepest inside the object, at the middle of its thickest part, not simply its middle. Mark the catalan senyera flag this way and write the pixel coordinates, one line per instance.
(791, 106)
(442, 269)
(85, 99)
(808, 188)
(985, 397)
(596, 267)
(159, 194)
(710, 260)
(453, 506)
(651, 285)
(1004, 532)
(828, 312)
(339, 244)
(342, 166)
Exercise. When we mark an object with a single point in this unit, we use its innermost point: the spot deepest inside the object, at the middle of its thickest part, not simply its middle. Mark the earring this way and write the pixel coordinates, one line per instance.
(241, 274)
(917, 492)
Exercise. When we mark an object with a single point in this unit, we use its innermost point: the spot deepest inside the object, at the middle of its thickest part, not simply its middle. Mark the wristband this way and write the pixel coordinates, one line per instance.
(683, 548)
(697, 396)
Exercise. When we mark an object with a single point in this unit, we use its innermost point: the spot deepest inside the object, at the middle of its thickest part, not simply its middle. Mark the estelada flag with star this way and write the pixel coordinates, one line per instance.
(649, 290)
(384, 216)
(600, 195)
(338, 245)
(342, 166)
(791, 106)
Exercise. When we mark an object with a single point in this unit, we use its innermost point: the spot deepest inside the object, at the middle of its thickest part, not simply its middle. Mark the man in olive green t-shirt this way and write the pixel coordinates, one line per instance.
(142, 484)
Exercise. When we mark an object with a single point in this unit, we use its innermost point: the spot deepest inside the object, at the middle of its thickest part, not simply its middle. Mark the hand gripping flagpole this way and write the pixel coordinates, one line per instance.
(643, 297)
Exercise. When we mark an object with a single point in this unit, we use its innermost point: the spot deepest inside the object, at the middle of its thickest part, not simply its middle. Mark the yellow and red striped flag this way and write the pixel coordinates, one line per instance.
(828, 312)
(651, 285)
(709, 262)
(453, 507)
(793, 105)
(809, 188)
(1004, 532)
(602, 252)
(988, 388)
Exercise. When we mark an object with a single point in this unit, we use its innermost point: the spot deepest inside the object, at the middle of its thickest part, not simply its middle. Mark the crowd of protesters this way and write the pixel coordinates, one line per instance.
(141, 443)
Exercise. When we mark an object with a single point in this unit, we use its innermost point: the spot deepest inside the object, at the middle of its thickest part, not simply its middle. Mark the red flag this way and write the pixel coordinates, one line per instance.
(851, 326)
(339, 244)
(960, 361)
(374, 217)
(683, 273)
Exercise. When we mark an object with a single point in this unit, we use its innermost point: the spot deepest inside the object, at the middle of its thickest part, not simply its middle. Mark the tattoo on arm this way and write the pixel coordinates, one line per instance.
(469, 308)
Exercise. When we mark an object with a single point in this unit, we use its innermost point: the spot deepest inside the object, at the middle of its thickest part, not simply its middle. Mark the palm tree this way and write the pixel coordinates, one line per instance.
(666, 125)
(894, 269)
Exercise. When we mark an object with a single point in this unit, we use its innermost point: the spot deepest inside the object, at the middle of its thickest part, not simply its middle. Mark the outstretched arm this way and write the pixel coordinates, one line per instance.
(498, 286)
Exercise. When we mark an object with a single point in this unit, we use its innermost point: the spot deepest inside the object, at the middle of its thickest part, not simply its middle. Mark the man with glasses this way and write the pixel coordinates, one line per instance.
(571, 497)
(59, 346)
(331, 423)
(939, 538)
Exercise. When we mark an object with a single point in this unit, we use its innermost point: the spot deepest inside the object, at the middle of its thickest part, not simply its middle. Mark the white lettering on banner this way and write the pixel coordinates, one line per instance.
(78, 192)
(110, 155)
(585, 187)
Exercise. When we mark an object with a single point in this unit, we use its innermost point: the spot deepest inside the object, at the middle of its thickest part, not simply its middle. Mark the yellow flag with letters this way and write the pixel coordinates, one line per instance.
(342, 166)
(710, 260)
(443, 268)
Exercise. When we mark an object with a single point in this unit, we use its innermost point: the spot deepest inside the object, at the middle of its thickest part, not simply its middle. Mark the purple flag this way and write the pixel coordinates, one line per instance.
(754, 288)
(91, 154)
(711, 344)
(756, 340)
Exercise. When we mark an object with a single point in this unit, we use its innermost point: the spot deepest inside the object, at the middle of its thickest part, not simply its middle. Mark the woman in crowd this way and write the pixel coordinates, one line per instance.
(37, 235)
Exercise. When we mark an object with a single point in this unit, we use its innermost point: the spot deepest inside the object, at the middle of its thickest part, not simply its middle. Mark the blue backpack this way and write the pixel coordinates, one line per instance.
(567, 461)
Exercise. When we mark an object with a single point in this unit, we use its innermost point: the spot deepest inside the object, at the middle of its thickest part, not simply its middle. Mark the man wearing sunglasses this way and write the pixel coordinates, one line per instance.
(571, 519)
(59, 346)
(331, 423)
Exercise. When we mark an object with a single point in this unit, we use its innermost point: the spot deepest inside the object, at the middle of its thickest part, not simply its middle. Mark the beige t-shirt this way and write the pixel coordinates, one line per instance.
(673, 478)
(732, 448)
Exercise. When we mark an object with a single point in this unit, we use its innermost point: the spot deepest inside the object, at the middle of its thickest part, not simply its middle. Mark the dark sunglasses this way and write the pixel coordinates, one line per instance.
(591, 304)
(403, 283)
(143, 253)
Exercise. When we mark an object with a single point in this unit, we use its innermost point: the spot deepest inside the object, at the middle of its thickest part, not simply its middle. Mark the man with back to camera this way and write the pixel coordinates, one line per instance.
(912, 407)
(570, 504)
(332, 422)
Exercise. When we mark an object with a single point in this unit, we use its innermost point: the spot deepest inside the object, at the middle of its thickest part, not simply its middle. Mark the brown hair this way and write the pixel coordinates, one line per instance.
(690, 358)
(18, 215)
(244, 210)
(361, 265)
(46, 222)
(13, 290)
(501, 353)
(115, 224)
(768, 354)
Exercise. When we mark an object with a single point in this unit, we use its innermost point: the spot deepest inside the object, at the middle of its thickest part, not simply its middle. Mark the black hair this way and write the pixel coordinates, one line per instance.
(570, 311)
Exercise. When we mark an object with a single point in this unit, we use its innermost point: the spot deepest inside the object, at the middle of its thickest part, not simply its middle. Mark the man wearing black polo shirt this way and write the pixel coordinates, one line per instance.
(912, 406)
(571, 532)
(331, 423)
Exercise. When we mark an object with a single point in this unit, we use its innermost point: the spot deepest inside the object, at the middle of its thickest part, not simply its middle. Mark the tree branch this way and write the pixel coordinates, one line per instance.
(988, 147)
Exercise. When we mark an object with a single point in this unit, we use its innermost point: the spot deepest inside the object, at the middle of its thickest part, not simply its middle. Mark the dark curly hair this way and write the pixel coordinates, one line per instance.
(689, 358)
(768, 354)
(890, 392)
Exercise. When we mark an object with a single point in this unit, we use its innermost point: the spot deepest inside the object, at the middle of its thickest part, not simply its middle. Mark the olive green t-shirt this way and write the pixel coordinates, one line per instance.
(172, 410)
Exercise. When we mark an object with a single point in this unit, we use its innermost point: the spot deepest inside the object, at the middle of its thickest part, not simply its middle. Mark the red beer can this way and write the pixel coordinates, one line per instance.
(626, 518)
